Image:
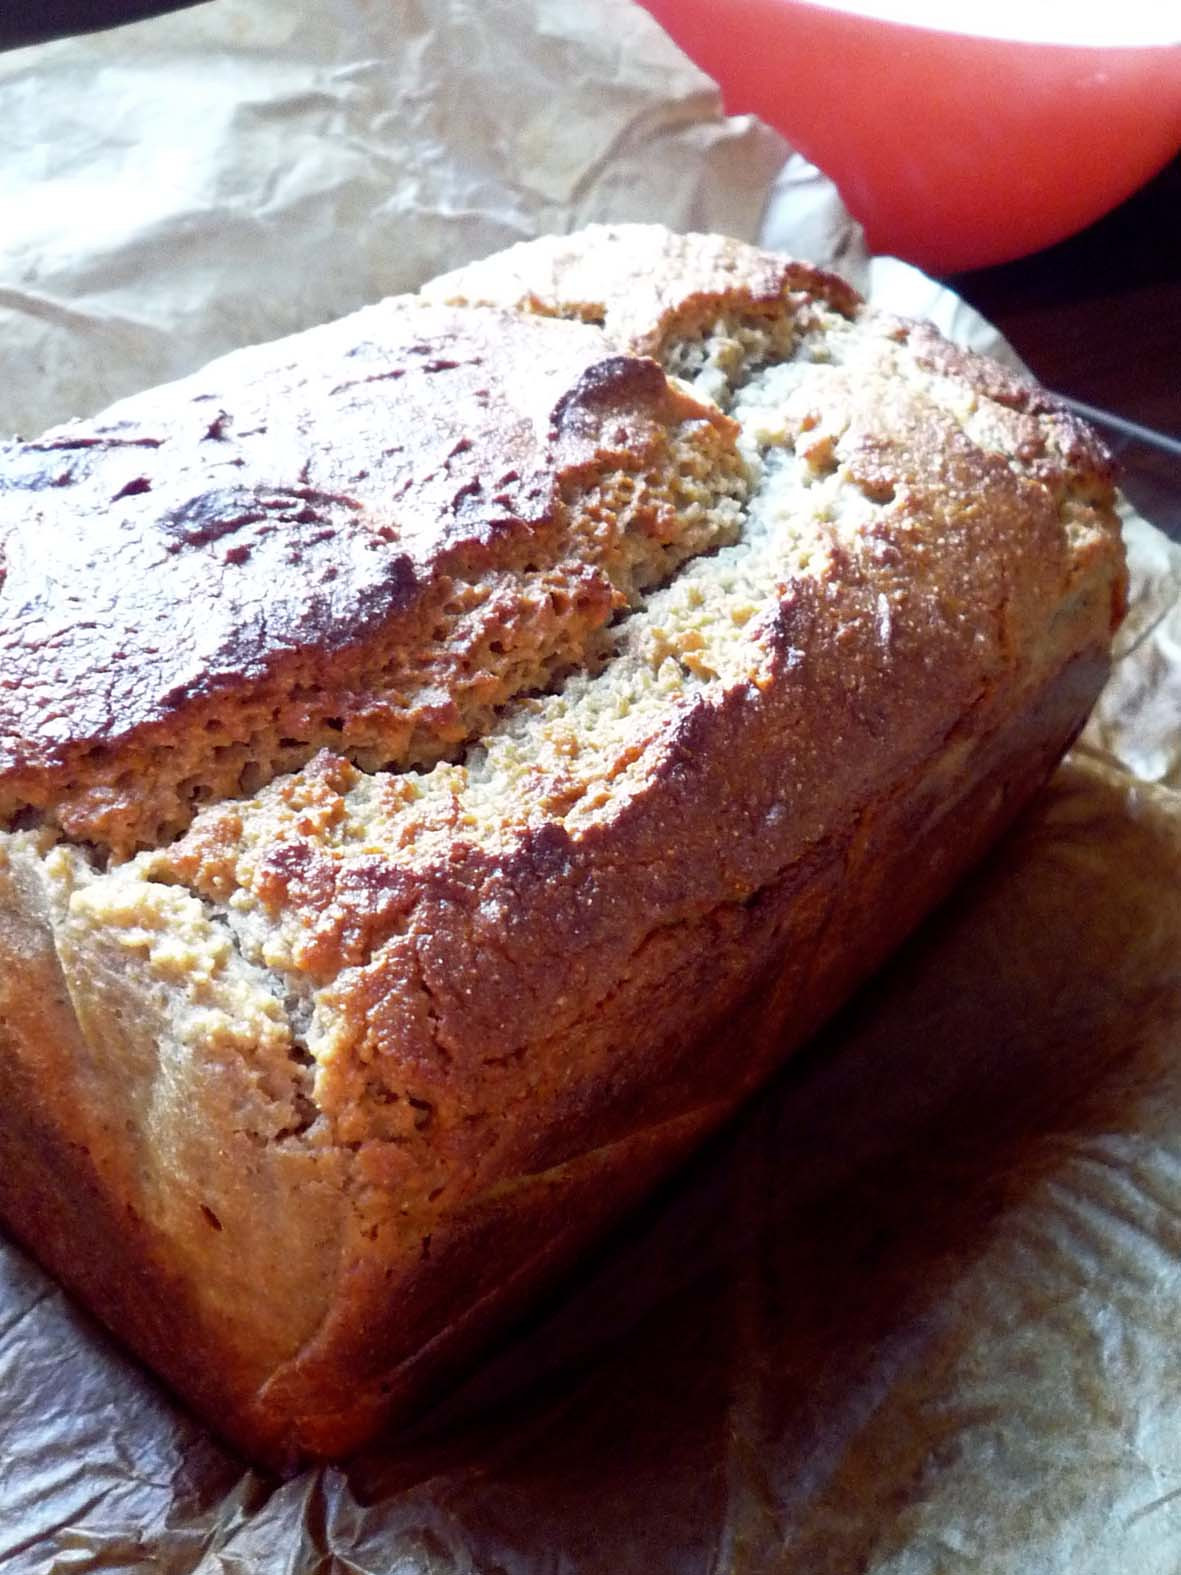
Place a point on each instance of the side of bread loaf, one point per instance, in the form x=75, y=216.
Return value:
x=677, y=631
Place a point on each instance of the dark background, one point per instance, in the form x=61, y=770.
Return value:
x=1098, y=318
x=32, y=21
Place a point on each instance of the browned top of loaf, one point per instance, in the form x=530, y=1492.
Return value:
x=226, y=555
x=639, y=282
x=371, y=536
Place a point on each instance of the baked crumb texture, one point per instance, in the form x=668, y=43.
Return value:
x=417, y=735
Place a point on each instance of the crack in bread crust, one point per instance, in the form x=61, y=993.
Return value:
x=492, y=496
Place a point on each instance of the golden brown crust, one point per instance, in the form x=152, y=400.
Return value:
x=640, y=283
x=308, y=544
x=442, y=1025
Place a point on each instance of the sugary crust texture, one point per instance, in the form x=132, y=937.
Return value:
x=442, y=1024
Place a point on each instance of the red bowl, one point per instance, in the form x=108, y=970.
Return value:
x=953, y=150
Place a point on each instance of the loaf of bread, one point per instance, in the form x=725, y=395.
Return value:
x=450, y=756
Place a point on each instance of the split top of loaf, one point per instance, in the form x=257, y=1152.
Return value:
x=372, y=536
x=367, y=539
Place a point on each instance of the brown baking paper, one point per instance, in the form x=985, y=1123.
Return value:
x=917, y=1311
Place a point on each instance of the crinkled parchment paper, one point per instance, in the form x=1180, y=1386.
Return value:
x=918, y=1311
